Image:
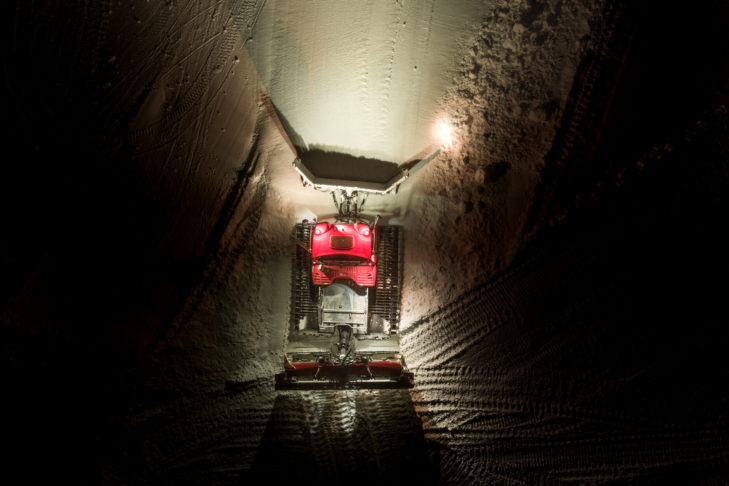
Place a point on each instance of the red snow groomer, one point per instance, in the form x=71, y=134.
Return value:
x=346, y=305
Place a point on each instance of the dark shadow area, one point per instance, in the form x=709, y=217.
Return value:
x=676, y=68
x=84, y=280
x=664, y=68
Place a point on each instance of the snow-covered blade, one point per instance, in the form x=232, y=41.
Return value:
x=328, y=184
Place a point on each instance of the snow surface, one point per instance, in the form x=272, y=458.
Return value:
x=362, y=78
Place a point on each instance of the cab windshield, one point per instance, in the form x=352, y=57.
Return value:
x=342, y=259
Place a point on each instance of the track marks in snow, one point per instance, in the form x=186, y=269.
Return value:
x=439, y=338
x=386, y=82
x=227, y=240
x=538, y=395
x=364, y=78
x=341, y=435
x=582, y=119
x=192, y=61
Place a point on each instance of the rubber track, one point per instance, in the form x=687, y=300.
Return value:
x=302, y=291
x=388, y=287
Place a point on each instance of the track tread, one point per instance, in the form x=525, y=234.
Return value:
x=304, y=301
x=388, y=286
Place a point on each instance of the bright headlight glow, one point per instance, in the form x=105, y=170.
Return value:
x=444, y=133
